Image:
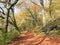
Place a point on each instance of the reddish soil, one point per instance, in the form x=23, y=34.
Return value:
x=30, y=39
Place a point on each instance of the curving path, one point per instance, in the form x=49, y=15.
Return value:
x=30, y=39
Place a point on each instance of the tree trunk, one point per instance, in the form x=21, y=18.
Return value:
x=44, y=18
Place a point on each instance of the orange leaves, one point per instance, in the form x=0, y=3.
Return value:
x=35, y=7
x=58, y=3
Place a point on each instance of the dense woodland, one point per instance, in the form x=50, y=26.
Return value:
x=18, y=17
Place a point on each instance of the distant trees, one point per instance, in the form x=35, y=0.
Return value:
x=33, y=14
x=39, y=14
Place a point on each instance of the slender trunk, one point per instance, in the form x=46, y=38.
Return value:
x=43, y=12
x=44, y=18
x=6, y=28
x=14, y=21
x=7, y=21
x=50, y=11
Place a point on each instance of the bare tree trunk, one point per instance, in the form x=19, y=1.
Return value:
x=43, y=13
x=44, y=18
x=7, y=20
x=14, y=20
x=50, y=11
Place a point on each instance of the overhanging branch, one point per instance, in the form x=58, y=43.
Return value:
x=13, y=4
x=8, y=11
x=2, y=11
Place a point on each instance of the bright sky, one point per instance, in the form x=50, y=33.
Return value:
x=28, y=3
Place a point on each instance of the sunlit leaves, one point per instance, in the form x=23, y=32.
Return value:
x=35, y=7
x=22, y=14
x=20, y=17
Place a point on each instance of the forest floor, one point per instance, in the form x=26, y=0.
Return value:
x=31, y=39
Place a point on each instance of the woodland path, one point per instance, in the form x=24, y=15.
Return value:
x=31, y=39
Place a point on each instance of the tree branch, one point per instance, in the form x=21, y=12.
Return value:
x=13, y=4
x=8, y=11
x=2, y=11
x=50, y=11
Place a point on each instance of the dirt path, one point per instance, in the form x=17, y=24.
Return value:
x=30, y=39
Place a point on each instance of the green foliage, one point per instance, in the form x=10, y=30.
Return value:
x=55, y=33
x=1, y=37
x=11, y=35
x=8, y=36
x=31, y=20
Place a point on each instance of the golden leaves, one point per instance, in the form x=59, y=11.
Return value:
x=22, y=14
x=35, y=7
